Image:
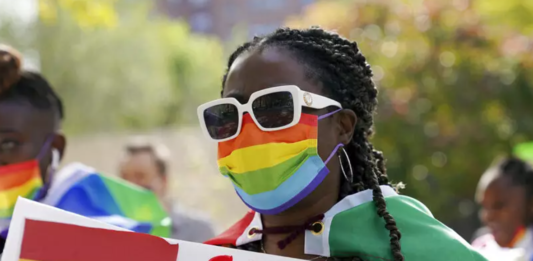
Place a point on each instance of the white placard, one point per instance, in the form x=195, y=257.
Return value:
x=28, y=209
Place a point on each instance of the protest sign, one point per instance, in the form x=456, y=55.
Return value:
x=39, y=232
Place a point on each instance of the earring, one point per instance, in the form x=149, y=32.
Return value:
x=349, y=179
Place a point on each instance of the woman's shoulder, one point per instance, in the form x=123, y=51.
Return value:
x=354, y=228
x=359, y=229
x=424, y=233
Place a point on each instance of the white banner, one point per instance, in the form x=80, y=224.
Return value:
x=32, y=214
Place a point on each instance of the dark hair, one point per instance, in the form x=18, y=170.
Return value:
x=16, y=83
x=518, y=171
x=157, y=150
x=339, y=65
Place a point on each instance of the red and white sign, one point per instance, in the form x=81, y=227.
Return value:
x=42, y=233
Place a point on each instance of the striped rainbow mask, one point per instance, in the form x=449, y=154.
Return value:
x=272, y=171
x=23, y=180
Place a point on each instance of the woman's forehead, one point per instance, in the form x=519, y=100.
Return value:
x=263, y=68
x=20, y=116
x=503, y=187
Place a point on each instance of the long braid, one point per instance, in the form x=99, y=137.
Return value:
x=347, y=78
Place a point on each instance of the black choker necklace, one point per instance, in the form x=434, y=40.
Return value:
x=312, y=224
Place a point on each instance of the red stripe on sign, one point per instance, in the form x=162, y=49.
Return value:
x=49, y=241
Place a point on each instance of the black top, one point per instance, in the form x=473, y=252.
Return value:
x=2, y=244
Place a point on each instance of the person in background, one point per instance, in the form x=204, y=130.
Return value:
x=146, y=164
x=31, y=148
x=505, y=193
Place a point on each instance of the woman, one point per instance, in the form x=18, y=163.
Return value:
x=505, y=193
x=31, y=147
x=298, y=154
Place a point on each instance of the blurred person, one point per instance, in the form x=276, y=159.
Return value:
x=31, y=148
x=505, y=193
x=480, y=232
x=302, y=103
x=146, y=164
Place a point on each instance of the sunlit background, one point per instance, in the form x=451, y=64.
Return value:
x=454, y=77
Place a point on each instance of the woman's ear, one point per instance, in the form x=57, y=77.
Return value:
x=347, y=119
x=59, y=143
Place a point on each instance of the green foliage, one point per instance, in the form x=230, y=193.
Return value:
x=86, y=13
x=138, y=73
x=455, y=87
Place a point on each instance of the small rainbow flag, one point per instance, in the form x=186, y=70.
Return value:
x=18, y=180
x=49, y=241
x=80, y=189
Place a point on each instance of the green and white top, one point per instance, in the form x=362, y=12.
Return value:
x=353, y=228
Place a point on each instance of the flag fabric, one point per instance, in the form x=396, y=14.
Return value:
x=49, y=241
x=353, y=228
x=82, y=190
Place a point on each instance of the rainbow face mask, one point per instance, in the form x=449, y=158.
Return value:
x=22, y=179
x=272, y=171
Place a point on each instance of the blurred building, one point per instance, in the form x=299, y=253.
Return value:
x=219, y=17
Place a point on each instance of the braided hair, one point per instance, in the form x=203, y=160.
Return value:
x=339, y=65
x=17, y=84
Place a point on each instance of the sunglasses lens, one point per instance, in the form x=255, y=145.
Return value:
x=274, y=110
x=222, y=121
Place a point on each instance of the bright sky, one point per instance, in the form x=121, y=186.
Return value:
x=24, y=11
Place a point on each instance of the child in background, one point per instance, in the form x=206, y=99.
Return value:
x=31, y=147
x=505, y=192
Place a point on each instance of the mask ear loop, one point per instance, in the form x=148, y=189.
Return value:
x=44, y=148
x=329, y=114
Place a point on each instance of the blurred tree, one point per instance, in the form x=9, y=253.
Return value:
x=86, y=13
x=455, y=88
x=118, y=67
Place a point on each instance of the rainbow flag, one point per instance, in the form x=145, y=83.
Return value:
x=49, y=241
x=80, y=189
x=17, y=180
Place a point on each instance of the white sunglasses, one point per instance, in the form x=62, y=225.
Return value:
x=271, y=109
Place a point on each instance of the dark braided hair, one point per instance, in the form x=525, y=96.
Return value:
x=339, y=65
x=17, y=84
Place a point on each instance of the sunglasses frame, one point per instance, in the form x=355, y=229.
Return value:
x=300, y=98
